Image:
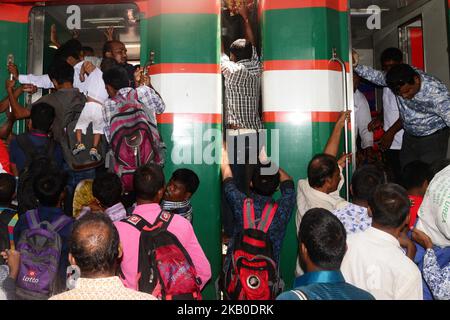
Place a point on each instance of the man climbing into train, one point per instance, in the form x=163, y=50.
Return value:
x=424, y=105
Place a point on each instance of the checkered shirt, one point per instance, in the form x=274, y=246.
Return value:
x=242, y=90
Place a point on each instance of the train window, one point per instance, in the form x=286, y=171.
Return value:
x=86, y=22
x=411, y=42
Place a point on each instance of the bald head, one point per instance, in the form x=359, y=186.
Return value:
x=323, y=172
x=94, y=244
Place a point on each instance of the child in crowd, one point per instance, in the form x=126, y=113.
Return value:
x=92, y=113
x=415, y=179
x=179, y=191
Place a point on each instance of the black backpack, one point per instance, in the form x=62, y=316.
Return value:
x=38, y=160
x=165, y=269
x=8, y=219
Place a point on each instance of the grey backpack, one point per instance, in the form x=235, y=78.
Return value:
x=40, y=252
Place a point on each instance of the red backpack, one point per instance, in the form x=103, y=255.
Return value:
x=253, y=274
x=165, y=269
x=135, y=140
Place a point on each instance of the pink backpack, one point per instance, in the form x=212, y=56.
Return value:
x=135, y=140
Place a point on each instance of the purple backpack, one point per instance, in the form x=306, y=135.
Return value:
x=135, y=140
x=40, y=252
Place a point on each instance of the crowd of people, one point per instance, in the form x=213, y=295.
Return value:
x=86, y=212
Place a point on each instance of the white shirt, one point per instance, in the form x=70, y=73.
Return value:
x=391, y=115
x=434, y=210
x=363, y=118
x=375, y=262
x=45, y=82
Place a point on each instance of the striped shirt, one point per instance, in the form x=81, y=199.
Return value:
x=242, y=91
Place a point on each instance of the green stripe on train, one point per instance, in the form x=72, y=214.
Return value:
x=206, y=201
x=13, y=40
x=181, y=38
x=304, y=34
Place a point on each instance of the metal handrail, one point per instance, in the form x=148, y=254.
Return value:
x=344, y=77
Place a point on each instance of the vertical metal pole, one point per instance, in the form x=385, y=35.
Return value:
x=344, y=78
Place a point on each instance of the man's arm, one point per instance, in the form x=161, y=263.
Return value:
x=19, y=111
x=333, y=142
x=151, y=99
x=363, y=119
x=372, y=75
x=249, y=35
x=39, y=81
x=4, y=104
x=388, y=137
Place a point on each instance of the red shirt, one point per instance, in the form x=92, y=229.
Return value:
x=4, y=157
x=416, y=201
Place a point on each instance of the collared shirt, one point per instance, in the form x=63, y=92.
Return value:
x=110, y=288
x=45, y=82
x=147, y=96
x=324, y=285
x=354, y=218
x=180, y=227
x=375, y=262
x=277, y=229
x=242, y=90
x=437, y=279
x=427, y=112
x=363, y=118
x=390, y=116
x=116, y=213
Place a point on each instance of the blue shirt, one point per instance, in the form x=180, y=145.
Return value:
x=277, y=229
x=18, y=155
x=427, y=112
x=354, y=218
x=324, y=285
x=49, y=214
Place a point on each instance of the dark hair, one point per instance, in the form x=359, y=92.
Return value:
x=148, y=180
x=107, y=47
x=399, y=76
x=437, y=166
x=392, y=54
x=48, y=187
x=71, y=48
x=86, y=48
x=324, y=237
x=116, y=77
x=7, y=188
x=265, y=185
x=365, y=180
x=107, y=188
x=242, y=49
x=320, y=168
x=415, y=173
x=187, y=178
x=42, y=116
x=108, y=63
x=390, y=205
x=61, y=72
x=94, y=244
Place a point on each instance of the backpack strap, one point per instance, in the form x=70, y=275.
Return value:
x=137, y=221
x=11, y=224
x=164, y=219
x=60, y=223
x=27, y=147
x=33, y=219
x=249, y=214
x=267, y=216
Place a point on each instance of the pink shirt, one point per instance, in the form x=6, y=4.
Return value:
x=179, y=226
